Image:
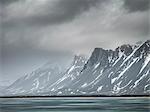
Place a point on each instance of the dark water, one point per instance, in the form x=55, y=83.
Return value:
x=75, y=105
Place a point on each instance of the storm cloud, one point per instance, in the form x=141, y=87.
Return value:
x=6, y=2
x=36, y=31
x=137, y=5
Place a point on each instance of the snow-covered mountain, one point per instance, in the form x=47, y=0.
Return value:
x=72, y=73
x=123, y=71
x=43, y=79
x=38, y=79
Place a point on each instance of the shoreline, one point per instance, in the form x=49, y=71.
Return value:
x=82, y=96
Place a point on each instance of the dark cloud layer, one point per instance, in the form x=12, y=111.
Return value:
x=63, y=11
x=137, y=5
x=75, y=5
x=7, y=2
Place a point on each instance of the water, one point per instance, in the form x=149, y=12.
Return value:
x=75, y=105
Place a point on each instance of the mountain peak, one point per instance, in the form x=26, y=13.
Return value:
x=79, y=59
x=97, y=50
x=126, y=49
x=98, y=55
x=147, y=43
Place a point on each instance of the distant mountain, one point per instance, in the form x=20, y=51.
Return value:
x=43, y=79
x=38, y=79
x=123, y=71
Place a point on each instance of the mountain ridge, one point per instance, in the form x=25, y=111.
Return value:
x=123, y=71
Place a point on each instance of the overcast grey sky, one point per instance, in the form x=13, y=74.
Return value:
x=35, y=31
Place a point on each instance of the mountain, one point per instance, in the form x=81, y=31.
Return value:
x=43, y=79
x=72, y=73
x=33, y=82
x=123, y=71
x=126, y=70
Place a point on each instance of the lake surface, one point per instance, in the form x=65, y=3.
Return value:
x=75, y=105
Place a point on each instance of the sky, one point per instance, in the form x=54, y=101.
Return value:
x=34, y=32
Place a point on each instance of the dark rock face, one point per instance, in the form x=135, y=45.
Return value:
x=98, y=55
x=124, y=71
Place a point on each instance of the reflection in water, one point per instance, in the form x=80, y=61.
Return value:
x=75, y=105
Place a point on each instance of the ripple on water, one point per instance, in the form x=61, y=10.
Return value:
x=75, y=105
